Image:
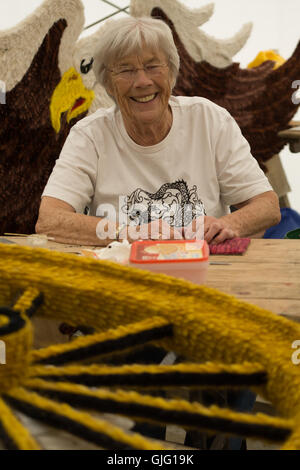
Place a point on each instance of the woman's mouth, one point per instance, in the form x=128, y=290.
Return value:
x=145, y=99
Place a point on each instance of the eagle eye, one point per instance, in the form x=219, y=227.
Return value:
x=85, y=68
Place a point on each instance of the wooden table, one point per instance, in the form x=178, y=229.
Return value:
x=267, y=275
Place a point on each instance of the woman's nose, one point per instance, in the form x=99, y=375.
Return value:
x=141, y=78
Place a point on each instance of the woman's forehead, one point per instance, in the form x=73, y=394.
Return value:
x=140, y=57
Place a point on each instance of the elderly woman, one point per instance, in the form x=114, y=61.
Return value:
x=152, y=158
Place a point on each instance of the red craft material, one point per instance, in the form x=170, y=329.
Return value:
x=236, y=246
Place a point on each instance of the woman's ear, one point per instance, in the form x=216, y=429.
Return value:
x=172, y=82
x=109, y=88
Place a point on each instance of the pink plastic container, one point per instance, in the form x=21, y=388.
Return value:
x=186, y=259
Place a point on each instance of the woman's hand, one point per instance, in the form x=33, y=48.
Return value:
x=209, y=228
x=217, y=230
x=155, y=230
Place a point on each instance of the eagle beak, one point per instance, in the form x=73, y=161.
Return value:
x=69, y=96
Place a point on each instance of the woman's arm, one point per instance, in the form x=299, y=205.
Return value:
x=251, y=219
x=59, y=220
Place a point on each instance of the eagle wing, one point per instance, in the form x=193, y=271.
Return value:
x=201, y=46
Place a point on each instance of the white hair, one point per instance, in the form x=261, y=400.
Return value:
x=130, y=35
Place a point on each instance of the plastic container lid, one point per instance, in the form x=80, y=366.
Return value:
x=169, y=251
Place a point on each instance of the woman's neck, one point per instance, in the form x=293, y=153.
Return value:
x=152, y=133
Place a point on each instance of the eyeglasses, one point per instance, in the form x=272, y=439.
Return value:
x=129, y=73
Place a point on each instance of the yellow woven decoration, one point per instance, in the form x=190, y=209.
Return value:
x=70, y=96
x=231, y=344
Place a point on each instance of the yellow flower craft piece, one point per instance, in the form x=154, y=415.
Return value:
x=227, y=344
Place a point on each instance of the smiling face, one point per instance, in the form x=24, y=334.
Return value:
x=142, y=98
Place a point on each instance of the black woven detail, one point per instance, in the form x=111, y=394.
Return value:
x=8, y=442
x=109, y=346
x=67, y=424
x=16, y=322
x=170, y=379
x=160, y=415
x=35, y=305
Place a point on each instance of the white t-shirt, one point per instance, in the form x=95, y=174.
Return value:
x=203, y=163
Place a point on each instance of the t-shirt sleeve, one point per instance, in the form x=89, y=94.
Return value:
x=239, y=175
x=73, y=178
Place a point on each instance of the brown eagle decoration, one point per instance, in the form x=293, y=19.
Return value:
x=45, y=96
x=50, y=85
x=259, y=99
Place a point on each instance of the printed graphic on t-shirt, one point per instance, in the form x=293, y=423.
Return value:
x=173, y=202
